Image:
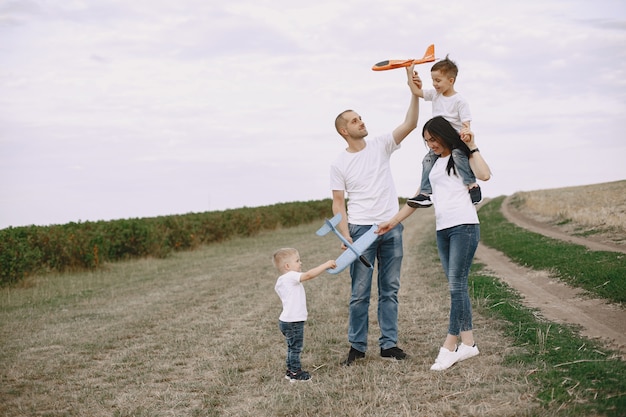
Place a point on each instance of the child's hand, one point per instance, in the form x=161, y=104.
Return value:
x=466, y=134
x=417, y=80
x=331, y=265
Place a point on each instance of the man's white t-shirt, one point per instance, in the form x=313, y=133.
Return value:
x=454, y=109
x=292, y=295
x=452, y=202
x=366, y=178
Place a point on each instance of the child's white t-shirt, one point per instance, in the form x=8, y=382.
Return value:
x=366, y=177
x=454, y=109
x=292, y=295
x=453, y=204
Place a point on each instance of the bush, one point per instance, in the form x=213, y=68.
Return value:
x=79, y=246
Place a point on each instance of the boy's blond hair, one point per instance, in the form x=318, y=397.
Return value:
x=281, y=255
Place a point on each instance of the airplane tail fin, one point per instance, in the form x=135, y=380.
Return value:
x=329, y=225
x=429, y=55
x=430, y=52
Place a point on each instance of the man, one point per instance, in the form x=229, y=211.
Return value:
x=363, y=172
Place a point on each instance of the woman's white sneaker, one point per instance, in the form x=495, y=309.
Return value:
x=466, y=352
x=445, y=359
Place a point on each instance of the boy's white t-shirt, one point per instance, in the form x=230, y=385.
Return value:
x=292, y=295
x=453, y=204
x=366, y=177
x=454, y=109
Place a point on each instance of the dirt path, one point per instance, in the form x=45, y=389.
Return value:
x=592, y=242
x=556, y=301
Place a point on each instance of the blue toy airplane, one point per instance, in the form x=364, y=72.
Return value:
x=354, y=250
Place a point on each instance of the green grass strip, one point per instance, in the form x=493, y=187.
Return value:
x=575, y=375
x=599, y=272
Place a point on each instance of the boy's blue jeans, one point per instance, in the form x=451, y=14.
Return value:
x=461, y=163
x=387, y=250
x=294, y=336
x=457, y=246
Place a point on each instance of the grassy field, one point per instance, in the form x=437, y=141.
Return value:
x=598, y=272
x=587, y=210
x=196, y=335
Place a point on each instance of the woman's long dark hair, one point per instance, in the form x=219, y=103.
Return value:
x=442, y=130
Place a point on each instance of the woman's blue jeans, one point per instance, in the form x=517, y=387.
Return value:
x=294, y=336
x=457, y=246
x=387, y=250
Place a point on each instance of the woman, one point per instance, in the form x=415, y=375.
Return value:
x=458, y=231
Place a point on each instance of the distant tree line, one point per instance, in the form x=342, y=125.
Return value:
x=88, y=245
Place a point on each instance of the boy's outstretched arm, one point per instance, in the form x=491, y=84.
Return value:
x=314, y=272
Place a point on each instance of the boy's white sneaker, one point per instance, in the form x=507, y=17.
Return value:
x=445, y=359
x=466, y=352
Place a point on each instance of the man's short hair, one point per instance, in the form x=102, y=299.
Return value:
x=341, y=121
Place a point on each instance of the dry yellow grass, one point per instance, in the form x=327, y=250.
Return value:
x=196, y=334
x=598, y=209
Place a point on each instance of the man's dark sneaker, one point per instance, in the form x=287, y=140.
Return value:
x=420, y=200
x=353, y=355
x=476, y=195
x=393, y=353
x=298, y=376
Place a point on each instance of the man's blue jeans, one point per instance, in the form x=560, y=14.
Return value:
x=387, y=251
x=457, y=246
x=294, y=336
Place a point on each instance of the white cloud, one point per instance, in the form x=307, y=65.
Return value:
x=114, y=109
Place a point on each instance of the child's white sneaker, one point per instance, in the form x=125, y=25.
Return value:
x=466, y=352
x=445, y=359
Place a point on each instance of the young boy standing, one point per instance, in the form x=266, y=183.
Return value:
x=455, y=109
x=291, y=292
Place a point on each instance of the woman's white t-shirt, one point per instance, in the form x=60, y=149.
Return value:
x=451, y=199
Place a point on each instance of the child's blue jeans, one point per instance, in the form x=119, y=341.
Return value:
x=461, y=163
x=294, y=336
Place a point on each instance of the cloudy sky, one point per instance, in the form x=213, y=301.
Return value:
x=120, y=109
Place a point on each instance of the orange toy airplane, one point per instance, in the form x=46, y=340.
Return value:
x=429, y=56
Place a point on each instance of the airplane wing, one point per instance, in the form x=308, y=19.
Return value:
x=329, y=225
x=429, y=56
x=392, y=64
x=344, y=261
x=366, y=239
x=349, y=255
